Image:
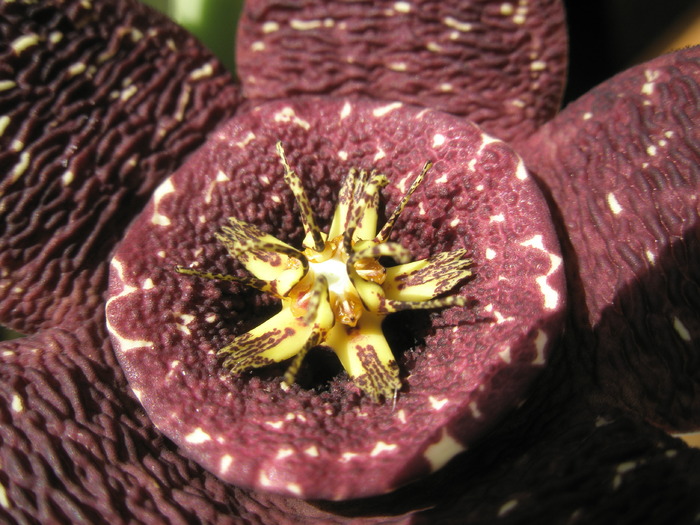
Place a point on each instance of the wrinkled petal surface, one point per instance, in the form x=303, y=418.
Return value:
x=501, y=64
x=99, y=101
x=623, y=168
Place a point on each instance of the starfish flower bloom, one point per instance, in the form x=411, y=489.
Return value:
x=101, y=101
x=336, y=292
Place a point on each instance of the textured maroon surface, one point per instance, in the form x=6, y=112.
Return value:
x=461, y=368
x=94, y=116
x=75, y=446
x=501, y=64
x=624, y=174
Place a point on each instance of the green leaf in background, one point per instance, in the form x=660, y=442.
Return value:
x=212, y=21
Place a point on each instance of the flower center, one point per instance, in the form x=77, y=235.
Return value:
x=334, y=291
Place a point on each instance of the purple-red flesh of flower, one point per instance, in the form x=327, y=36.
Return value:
x=325, y=436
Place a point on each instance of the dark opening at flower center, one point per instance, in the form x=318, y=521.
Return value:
x=334, y=290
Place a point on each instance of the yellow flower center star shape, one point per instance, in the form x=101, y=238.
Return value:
x=334, y=291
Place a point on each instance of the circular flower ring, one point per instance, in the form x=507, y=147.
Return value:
x=175, y=336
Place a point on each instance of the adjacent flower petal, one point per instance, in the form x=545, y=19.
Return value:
x=623, y=168
x=501, y=64
x=99, y=101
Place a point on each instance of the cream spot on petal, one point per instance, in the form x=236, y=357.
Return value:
x=474, y=408
x=343, y=155
x=205, y=71
x=385, y=110
x=311, y=451
x=507, y=507
x=587, y=115
x=67, y=178
x=381, y=447
x=24, y=42
x=401, y=416
x=651, y=257
x=288, y=115
x=346, y=111
x=402, y=7
x=681, y=330
x=17, y=404
x=284, y=453
x=459, y=25
x=538, y=65
x=246, y=140
x=225, y=463
x=307, y=25
x=4, y=122
x=438, y=454
x=264, y=480
x=398, y=66
x=551, y=296
x=490, y=254
x=4, y=500
x=507, y=9
x=505, y=355
x=21, y=166
x=164, y=189
x=275, y=424
x=497, y=218
x=295, y=489
x=379, y=155
x=197, y=437
x=438, y=140
x=270, y=27
x=540, y=345
x=347, y=456
x=614, y=204
x=438, y=404
x=521, y=171
x=257, y=46
x=651, y=150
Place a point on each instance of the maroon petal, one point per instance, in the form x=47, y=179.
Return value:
x=76, y=447
x=99, y=101
x=462, y=368
x=501, y=64
x=623, y=168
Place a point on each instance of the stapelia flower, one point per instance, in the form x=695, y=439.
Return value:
x=99, y=101
x=336, y=292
